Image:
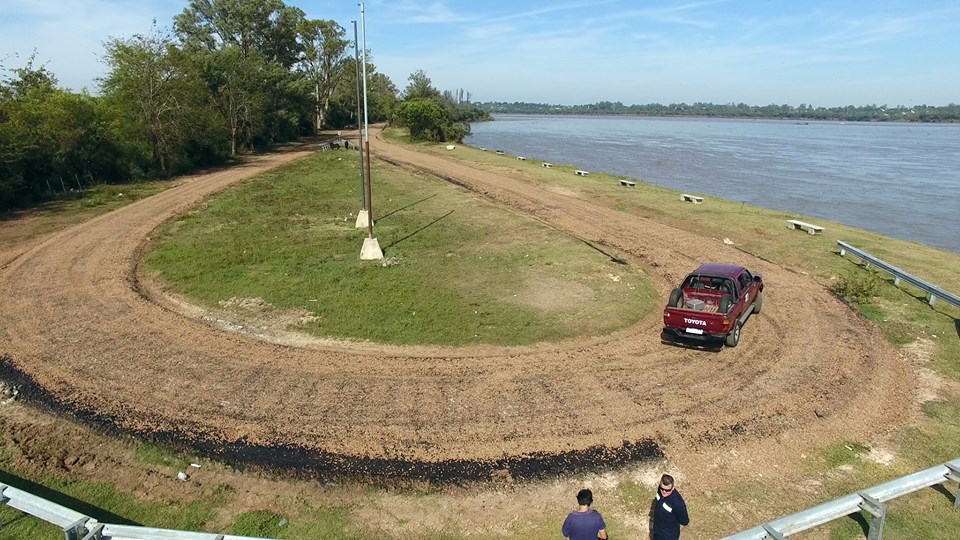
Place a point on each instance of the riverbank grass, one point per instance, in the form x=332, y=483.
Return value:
x=457, y=270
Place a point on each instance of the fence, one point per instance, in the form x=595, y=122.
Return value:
x=77, y=526
x=898, y=274
x=872, y=501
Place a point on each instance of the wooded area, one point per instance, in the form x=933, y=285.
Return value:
x=849, y=113
x=229, y=76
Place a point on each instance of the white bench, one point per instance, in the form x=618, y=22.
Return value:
x=499, y=152
x=581, y=173
x=804, y=226
x=691, y=198
x=627, y=183
x=546, y=165
x=521, y=158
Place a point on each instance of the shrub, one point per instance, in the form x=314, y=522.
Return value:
x=858, y=286
x=455, y=132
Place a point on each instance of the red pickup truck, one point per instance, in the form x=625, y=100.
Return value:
x=713, y=302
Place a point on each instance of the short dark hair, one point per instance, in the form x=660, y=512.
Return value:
x=585, y=497
x=666, y=480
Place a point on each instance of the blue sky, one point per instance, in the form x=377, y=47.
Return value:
x=825, y=53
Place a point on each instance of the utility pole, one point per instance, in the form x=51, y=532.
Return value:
x=371, y=247
x=362, y=216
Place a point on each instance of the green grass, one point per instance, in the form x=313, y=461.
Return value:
x=260, y=523
x=16, y=526
x=72, y=208
x=459, y=269
x=152, y=454
x=103, y=502
x=104, y=196
x=305, y=520
x=843, y=453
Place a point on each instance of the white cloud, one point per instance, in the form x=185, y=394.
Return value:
x=417, y=13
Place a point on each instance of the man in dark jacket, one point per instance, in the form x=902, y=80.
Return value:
x=669, y=511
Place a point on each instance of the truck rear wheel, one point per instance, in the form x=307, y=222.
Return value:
x=734, y=336
x=725, y=302
x=676, y=298
x=758, y=303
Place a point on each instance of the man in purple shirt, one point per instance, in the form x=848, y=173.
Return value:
x=584, y=523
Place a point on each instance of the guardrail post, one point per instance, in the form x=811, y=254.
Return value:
x=75, y=530
x=94, y=533
x=879, y=512
x=3, y=498
x=954, y=474
x=773, y=533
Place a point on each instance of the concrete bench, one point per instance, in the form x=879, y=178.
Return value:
x=521, y=158
x=804, y=226
x=499, y=152
x=627, y=183
x=691, y=198
x=581, y=173
x=546, y=165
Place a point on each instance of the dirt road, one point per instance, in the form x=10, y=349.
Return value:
x=82, y=331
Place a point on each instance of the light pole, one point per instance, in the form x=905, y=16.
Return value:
x=362, y=217
x=371, y=247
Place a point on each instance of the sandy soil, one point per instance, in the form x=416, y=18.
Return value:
x=84, y=332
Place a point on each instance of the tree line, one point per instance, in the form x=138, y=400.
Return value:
x=229, y=76
x=849, y=113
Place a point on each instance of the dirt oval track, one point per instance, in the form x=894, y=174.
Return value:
x=82, y=332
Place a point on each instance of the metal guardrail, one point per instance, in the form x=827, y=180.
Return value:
x=872, y=501
x=77, y=526
x=934, y=291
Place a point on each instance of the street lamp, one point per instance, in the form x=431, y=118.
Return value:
x=371, y=247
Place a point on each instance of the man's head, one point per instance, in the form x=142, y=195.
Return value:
x=666, y=485
x=584, y=497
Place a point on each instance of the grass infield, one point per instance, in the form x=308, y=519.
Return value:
x=458, y=269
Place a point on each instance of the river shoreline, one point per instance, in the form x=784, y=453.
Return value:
x=886, y=177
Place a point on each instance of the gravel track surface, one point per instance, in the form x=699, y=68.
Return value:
x=103, y=342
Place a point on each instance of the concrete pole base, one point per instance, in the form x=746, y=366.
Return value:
x=362, y=219
x=371, y=250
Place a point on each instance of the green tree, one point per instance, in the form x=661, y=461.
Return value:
x=246, y=49
x=423, y=117
x=268, y=27
x=52, y=140
x=420, y=87
x=381, y=96
x=323, y=61
x=159, y=93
